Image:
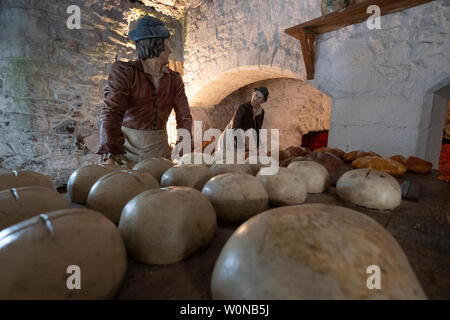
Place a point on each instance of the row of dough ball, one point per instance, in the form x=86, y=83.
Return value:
x=107, y=190
x=149, y=216
x=135, y=222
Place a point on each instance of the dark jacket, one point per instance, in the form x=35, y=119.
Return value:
x=130, y=99
x=243, y=119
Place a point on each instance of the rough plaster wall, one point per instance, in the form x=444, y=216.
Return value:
x=52, y=79
x=381, y=80
x=294, y=107
x=228, y=34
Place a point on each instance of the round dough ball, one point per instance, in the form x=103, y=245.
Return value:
x=284, y=187
x=82, y=179
x=36, y=253
x=314, y=174
x=336, y=151
x=155, y=166
x=17, y=179
x=197, y=158
x=167, y=225
x=18, y=204
x=186, y=175
x=312, y=251
x=298, y=151
x=370, y=188
x=259, y=162
x=217, y=169
x=112, y=192
x=236, y=196
x=330, y=161
x=288, y=161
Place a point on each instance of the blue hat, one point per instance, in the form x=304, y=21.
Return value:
x=148, y=27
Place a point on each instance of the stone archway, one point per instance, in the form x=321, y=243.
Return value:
x=209, y=93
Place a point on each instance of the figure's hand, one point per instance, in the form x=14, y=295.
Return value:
x=113, y=159
x=110, y=161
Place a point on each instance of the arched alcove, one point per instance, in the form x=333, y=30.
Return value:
x=211, y=92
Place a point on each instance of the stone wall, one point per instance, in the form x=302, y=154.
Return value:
x=52, y=78
x=294, y=107
x=245, y=36
x=382, y=81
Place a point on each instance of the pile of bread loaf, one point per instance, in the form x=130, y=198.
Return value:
x=161, y=213
x=334, y=158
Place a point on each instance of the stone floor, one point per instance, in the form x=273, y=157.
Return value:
x=422, y=228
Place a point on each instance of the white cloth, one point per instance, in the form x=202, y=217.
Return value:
x=142, y=144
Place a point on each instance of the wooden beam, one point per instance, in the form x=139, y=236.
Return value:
x=352, y=15
x=307, y=32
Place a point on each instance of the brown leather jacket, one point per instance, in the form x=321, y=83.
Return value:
x=130, y=99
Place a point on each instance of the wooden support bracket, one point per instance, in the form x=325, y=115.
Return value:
x=308, y=44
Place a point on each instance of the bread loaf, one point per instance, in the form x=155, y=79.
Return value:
x=112, y=192
x=167, y=225
x=36, y=256
x=417, y=165
x=16, y=179
x=381, y=164
x=18, y=204
x=236, y=197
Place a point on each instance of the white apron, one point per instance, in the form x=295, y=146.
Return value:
x=141, y=144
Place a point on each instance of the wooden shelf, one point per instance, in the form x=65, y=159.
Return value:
x=307, y=32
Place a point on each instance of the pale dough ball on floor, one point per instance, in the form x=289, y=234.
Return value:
x=186, y=175
x=16, y=179
x=82, y=179
x=369, y=188
x=112, y=192
x=314, y=174
x=217, y=169
x=36, y=253
x=155, y=166
x=167, y=225
x=284, y=187
x=259, y=162
x=312, y=251
x=236, y=197
x=18, y=204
